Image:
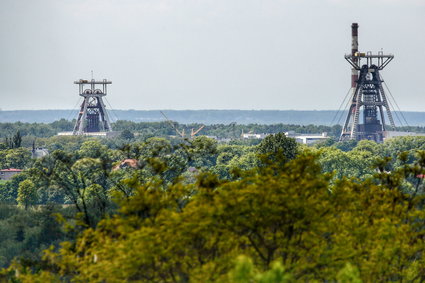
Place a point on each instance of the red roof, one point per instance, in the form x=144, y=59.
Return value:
x=11, y=170
x=129, y=163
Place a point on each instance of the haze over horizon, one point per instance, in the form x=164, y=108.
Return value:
x=205, y=54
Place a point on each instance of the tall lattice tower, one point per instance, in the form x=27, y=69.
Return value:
x=92, y=116
x=368, y=98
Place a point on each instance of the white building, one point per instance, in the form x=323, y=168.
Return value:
x=307, y=138
x=251, y=136
x=310, y=139
x=394, y=134
x=92, y=134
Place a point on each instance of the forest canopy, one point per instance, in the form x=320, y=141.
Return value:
x=159, y=209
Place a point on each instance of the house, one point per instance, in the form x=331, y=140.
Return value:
x=7, y=174
x=127, y=163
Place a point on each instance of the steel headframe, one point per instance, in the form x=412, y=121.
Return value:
x=93, y=116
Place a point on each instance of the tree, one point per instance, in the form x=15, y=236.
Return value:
x=244, y=271
x=9, y=189
x=63, y=125
x=288, y=213
x=17, y=158
x=14, y=141
x=17, y=140
x=278, y=144
x=127, y=135
x=27, y=194
x=346, y=145
x=74, y=179
x=154, y=147
x=93, y=149
x=203, y=152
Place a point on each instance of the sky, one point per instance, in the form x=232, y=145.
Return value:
x=205, y=54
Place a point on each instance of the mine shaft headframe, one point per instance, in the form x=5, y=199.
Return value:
x=381, y=60
x=93, y=116
x=84, y=91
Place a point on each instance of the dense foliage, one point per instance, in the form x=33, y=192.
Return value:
x=143, y=130
x=154, y=209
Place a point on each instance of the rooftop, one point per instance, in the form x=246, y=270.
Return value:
x=11, y=170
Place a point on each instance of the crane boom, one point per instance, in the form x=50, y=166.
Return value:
x=172, y=125
x=197, y=131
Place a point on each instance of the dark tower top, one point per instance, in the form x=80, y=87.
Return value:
x=354, y=28
x=354, y=50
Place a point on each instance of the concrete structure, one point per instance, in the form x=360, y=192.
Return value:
x=368, y=97
x=7, y=174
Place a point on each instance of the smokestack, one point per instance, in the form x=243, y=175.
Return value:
x=354, y=50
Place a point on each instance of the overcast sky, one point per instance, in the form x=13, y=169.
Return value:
x=205, y=54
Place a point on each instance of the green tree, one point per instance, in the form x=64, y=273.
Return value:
x=27, y=194
x=346, y=145
x=127, y=135
x=287, y=217
x=155, y=147
x=93, y=149
x=9, y=189
x=14, y=141
x=17, y=158
x=278, y=144
x=74, y=179
x=63, y=125
x=203, y=152
x=17, y=140
x=349, y=274
x=244, y=271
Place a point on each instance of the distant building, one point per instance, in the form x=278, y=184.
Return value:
x=251, y=136
x=394, y=134
x=93, y=134
x=39, y=152
x=7, y=174
x=219, y=139
x=212, y=137
x=300, y=138
x=311, y=138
